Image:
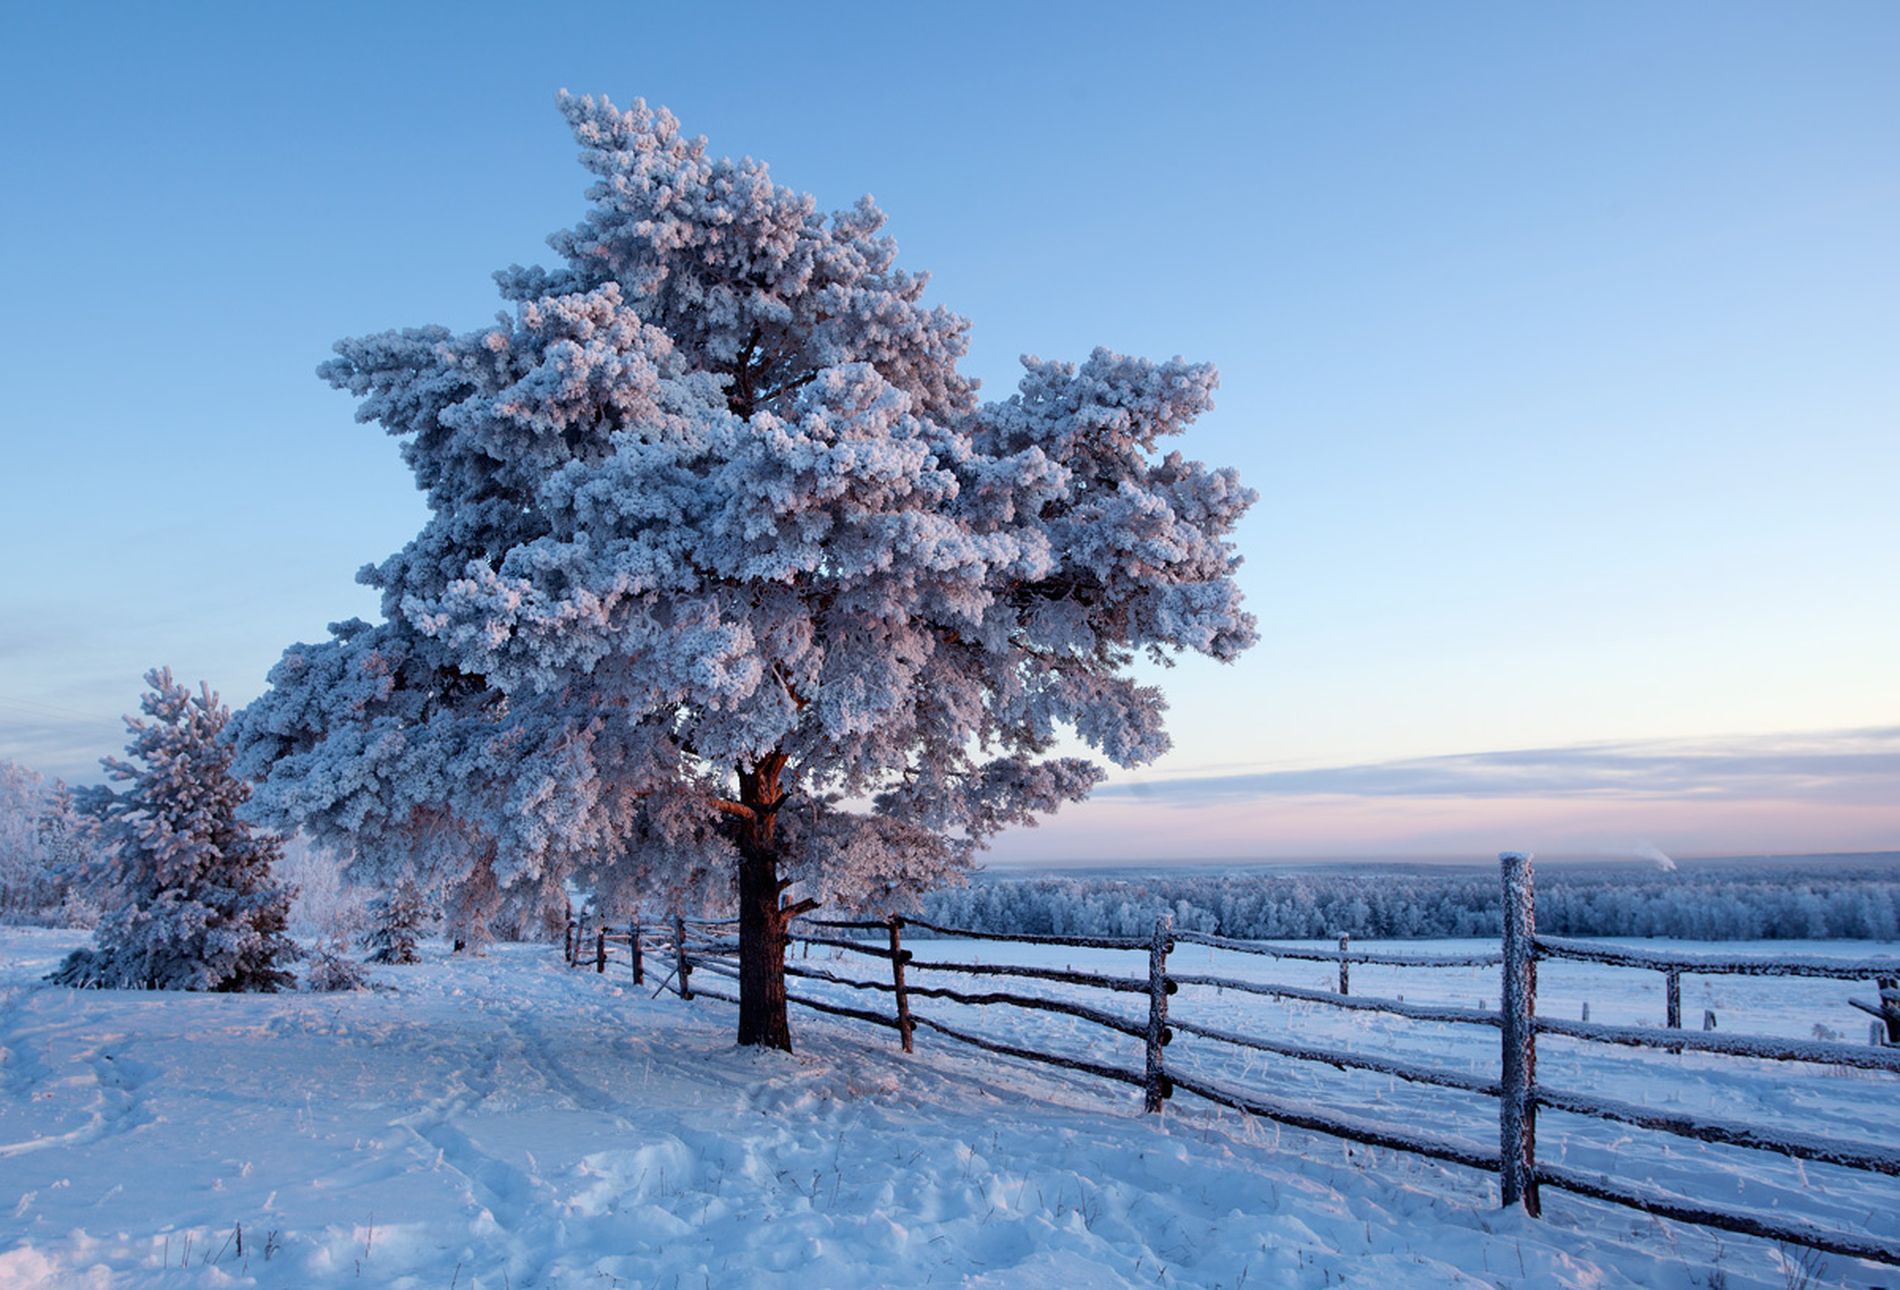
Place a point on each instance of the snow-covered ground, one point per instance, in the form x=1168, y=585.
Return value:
x=504, y=1122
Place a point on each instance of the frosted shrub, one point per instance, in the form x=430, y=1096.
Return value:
x=332, y=969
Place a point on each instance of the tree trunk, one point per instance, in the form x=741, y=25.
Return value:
x=762, y=1019
x=762, y=919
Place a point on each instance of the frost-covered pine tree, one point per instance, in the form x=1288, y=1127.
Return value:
x=731, y=585
x=396, y=921
x=186, y=885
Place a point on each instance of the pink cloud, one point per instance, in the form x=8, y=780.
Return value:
x=1836, y=791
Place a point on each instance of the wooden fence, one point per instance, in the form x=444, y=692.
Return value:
x=690, y=946
x=607, y=946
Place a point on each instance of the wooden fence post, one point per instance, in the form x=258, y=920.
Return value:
x=1345, y=970
x=905, y=1027
x=573, y=932
x=1517, y=1111
x=633, y=947
x=679, y=950
x=1672, y=999
x=1885, y=1009
x=600, y=949
x=1155, y=1085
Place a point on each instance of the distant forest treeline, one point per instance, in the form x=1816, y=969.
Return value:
x=1820, y=899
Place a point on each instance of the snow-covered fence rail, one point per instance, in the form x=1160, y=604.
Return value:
x=1552, y=947
x=1724, y=1218
x=1301, y=1116
x=1805, y=1146
x=1341, y=955
x=1023, y=938
x=1343, y=1060
x=1345, y=955
x=1354, y=1002
x=708, y=946
x=1820, y=1052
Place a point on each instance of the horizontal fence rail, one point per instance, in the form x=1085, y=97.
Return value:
x=708, y=945
x=1818, y=1051
x=1301, y=1117
x=1745, y=1222
x=1340, y=955
x=1805, y=1146
x=1031, y=1054
x=1551, y=947
x=1061, y=976
x=1026, y=938
x=1342, y=1060
x=1356, y=1003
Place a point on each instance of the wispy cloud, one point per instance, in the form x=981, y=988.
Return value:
x=1860, y=765
x=56, y=744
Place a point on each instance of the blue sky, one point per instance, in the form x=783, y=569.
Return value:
x=1559, y=342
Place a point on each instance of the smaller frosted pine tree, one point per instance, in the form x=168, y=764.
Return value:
x=397, y=917
x=186, y=885
x=332, y=970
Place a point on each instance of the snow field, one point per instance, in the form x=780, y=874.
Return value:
x=505, y=1122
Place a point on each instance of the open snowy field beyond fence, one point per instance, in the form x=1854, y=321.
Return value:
x=508, y=1122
